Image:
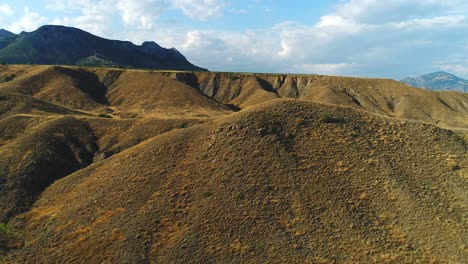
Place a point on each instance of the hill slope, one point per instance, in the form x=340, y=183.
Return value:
x=275, y=183
x=106, y=165
x=4, y=33
x=72, y=46
x=439, y=81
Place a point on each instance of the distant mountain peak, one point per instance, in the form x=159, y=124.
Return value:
x=439, y=80
x=54, y=44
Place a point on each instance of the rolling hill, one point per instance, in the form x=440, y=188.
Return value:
x=140, y=166
x=439, y=81
x=54, y=45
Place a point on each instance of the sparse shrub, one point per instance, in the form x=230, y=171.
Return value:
x=104, y=116
x=3, y=228
x=454, y=166
x=232, y=76
x=9, y=239
x=9, y=78
x=206, y=194
x=326, y=118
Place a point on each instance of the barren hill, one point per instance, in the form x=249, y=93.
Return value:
x=277, y=182
x=110, y=165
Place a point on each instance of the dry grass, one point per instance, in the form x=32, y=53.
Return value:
x=176, y=175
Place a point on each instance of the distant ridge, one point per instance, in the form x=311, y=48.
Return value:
x=438, y=81
x=5, y=33
x=72, y=46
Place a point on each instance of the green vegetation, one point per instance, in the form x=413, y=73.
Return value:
x=9, y=239
x=231, y=76
x=3, y=228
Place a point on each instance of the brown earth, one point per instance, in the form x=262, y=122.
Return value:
x=129, y=166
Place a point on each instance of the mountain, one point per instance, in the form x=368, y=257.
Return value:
x=4, y=33
x=438, y=81
x=104, y=165
x=71, y=46
x=6, y=38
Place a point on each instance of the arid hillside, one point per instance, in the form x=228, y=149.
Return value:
x=130, y=166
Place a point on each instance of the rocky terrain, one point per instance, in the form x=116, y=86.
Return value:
x=439, y=81
x=140, y=166
x=54, y=45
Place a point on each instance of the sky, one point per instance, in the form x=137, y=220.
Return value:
x=365, y=38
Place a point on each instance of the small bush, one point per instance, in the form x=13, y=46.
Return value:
x=9, y=78
x=206, y=194
x=232, y=76
x=3, y=228
x=326, y=118
x=104, y=116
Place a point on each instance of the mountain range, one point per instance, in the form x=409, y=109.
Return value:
x=438, y=81
x=51, y=45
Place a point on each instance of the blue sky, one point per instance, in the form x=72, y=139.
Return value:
x=369, y=38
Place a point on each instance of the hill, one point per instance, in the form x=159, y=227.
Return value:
x=439, y=81
x=5, y=34
x=333, y=191
x=113, y=165
x=71, y=46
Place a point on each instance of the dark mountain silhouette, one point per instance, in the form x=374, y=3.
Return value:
x=72, y=46
x=5, y=33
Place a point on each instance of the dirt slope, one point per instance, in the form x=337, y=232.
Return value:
x=287, y=181
x=143, y=93
x=378, y=96
x=75, y=88
x=37, y=150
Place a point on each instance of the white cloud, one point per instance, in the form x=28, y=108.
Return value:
x=66, y=5
x=458, y=68
x=95, y=18
x=7, y=10
x=28, y=22
x=375, y=11
x=394, y=38
x=200, y=9
x=368, y=40
x=141, y=13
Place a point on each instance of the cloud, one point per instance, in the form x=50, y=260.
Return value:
x=200, y=9
x=141, y=13
x=28, y=22
x=394, y=38
x=95, y=18
x=374, y=11
x=458, y=68
x=375, y=38
x=7, y=10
